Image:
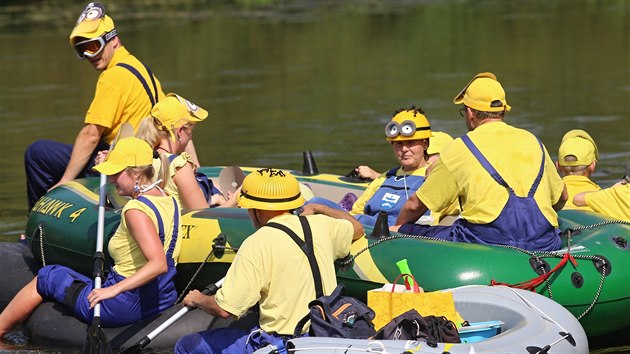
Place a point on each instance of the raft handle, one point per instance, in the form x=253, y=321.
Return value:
x=602, y=264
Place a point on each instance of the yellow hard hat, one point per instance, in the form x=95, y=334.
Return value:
x=408, y=124
x=269, y=189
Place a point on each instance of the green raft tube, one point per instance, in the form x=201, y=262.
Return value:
x=587, y=276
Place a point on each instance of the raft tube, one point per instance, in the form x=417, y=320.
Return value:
x=591, y=283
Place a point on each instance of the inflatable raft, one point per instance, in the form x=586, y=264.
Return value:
x=587, y=276
x=502, y=320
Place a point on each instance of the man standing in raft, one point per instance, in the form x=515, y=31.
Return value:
x=503, y=177
x=125, y=92
x=270, y=268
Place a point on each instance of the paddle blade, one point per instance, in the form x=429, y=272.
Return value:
x=230, y=179
x=96, y=341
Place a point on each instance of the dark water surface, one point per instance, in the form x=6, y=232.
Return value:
x=327, y=79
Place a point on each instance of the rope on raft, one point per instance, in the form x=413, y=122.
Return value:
x=531, y=284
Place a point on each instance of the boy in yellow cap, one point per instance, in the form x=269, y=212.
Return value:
x=507, y=184
x=125, y=92
x=577, y=157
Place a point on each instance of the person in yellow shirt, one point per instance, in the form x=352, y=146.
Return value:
x=144, y=249
x=125, y=92
x=613, y=201
x=577, y=157
x=506, y=183
x=270, y=268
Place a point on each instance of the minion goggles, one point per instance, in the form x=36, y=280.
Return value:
x=405, y=128
x=91, y=48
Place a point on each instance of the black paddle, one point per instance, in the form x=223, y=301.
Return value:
x=142, y=343
x=96, y=340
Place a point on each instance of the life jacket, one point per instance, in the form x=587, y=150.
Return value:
x=390, y=197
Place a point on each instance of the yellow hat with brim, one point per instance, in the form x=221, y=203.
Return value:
x=174, y=108
x=128, y=152
x=91, y=28
x=437, y=142
x=483, y=93
x=269, y=189
x=579, y=144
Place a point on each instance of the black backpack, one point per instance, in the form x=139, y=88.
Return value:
x=412, y=326
x=338, y=316
x=334, y=315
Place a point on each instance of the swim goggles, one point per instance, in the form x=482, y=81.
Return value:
x=405, y=128
x=91, y=48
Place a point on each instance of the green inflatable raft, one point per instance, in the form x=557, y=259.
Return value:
x=587, y=276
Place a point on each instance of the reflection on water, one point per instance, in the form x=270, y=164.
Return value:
x=276, y=85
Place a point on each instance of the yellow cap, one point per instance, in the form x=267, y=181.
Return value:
x=92, y=23
x=483, y=93
x=269, y=189
x=174, y=109
x=128, y=152
x=437, y=142
x=400, y=129
x=579, y=144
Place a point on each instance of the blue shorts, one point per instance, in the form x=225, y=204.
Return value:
x=228, y=341
x=72, y=288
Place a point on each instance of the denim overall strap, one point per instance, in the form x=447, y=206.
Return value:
x=171, y=246
x=485, y=163
x=536, y=183
x=135, y=72
x=307, y=247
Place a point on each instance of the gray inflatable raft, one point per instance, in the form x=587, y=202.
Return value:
x=527, y=323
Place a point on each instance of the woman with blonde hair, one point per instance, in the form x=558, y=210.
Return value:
x=169, y=130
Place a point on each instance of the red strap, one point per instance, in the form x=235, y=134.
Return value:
x=532, y=284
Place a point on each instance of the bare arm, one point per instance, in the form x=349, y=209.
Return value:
x=562, y=201
x=189, y=191
x=190, y=149
x=367, y=172
x=411, y=211
x=311, y=209
x=207, y=303
x=143, y=231
x=84, y=144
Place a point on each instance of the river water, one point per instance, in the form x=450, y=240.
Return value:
x=327, y=77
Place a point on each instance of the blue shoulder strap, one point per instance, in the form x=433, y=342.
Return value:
x=153, y=96
x=172, y=158
x=158, y=217
x=495, y=175
x=392, y=172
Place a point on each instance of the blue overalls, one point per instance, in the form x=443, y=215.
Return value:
x=72, y=288
x=520, y=223
x=45, y=161
x=390, y=197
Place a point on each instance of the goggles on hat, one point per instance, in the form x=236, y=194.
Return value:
x=405, y=128
x=91, y=48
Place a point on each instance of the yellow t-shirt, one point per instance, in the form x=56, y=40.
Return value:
x=124, y=249
x=575, y=185
x=120, y=97
x=514, y=153
x=270, y=268
x=169, y=186
x=613, y=201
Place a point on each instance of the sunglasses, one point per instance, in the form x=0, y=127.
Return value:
x=92, y=48
x=405, y=128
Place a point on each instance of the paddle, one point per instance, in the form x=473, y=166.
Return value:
x=96, y=340
x=230, y=179
x=142, y=343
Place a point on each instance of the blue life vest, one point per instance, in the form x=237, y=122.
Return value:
x=390, y=197
x=520, y=223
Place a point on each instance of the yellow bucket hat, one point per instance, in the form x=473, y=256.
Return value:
x=174, y=109
x=269, y=189
x=92, y=23
x=128, y=152
x=437, y=142
x=483, y=93
x=577, y=143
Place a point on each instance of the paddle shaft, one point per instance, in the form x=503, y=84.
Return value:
x=100, y=230
x=211, y=289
